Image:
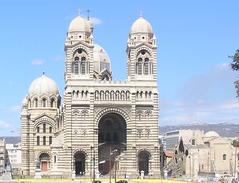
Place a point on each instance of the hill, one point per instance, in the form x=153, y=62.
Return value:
x=223, y=129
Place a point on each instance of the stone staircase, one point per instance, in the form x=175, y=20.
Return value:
x=175, y=167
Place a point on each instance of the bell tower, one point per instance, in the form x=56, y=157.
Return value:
x=141, y=51
x=79, y=50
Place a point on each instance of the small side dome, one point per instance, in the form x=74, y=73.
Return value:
x=80, y=24
x=210, y=134
x=101, y=59
x=141, y=26
x=43, y=86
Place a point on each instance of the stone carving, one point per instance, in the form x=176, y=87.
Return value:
x=139, y=114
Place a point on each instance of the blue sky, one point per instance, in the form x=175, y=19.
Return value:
x=194, y=41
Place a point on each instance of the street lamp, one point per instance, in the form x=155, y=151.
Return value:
x=93, y=159
x=93, y=165
x=115, y=170
x=111, y=153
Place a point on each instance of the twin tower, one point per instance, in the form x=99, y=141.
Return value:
x=101, y=125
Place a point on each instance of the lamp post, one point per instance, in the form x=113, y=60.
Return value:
x=111, y=153
x=115, y=170
x=93, y=165
x=104, y=161
x=110, y=165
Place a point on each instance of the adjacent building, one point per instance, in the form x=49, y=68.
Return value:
x=14, y=156
x=3, y=155
x=203, y=154
x=172, y=138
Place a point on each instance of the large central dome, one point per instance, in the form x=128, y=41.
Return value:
x=101, y=59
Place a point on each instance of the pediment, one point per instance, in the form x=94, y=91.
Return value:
x=45, y=118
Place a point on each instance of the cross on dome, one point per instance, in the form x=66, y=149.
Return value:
x=78, y=12
x=88, y=14
x=140, y=13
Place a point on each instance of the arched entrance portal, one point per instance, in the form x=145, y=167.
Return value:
x=111, y=140
x=44, y=159
x=143, y=162
x=79, y=163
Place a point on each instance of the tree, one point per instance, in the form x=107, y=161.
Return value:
x=235, y=67
x=235, y=143
x=181, y=146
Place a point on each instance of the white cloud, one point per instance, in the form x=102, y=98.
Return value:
x=11, y=109
x=37, y=61
x=223, y=66
x=206, y=98
x=200, y=112
x=96, y=21
x=230, y=105
x=217, y=82
x=4, y=125
x=57, y=58
x=15, y=108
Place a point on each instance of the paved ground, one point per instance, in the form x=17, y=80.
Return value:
x=84, y=181
x=6, y=177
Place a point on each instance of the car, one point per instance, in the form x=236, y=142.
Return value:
x=96, y=181
x=122, y=181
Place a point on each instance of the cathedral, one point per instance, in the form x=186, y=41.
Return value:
x=99, y=125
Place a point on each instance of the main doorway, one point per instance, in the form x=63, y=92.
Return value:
x=111, y=140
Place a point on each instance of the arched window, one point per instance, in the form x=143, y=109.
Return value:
x=44, y=102
x=193, y=142
x=75, y=66
x=54, y=158
x=224, y=157
x=53, y=102
x=146, y=66
x=44, y=140
x=29, y=103
x=38, y=129
x=139, y=66
x=50, y=129
x=83, y=66
x=50, y=140
x=44, y=128
x=38, y=140
x=35, y=102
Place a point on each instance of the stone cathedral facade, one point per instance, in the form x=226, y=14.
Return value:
x=102, y=124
